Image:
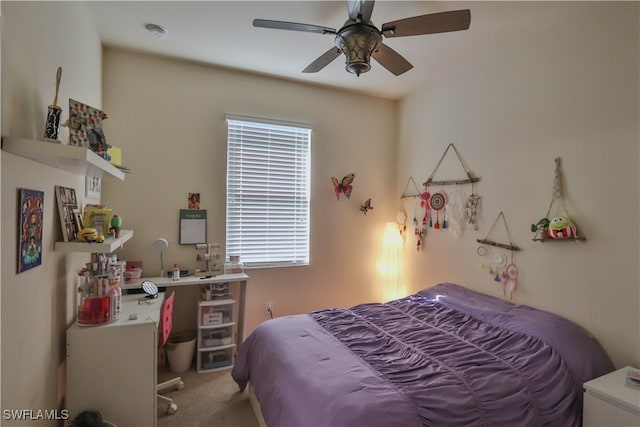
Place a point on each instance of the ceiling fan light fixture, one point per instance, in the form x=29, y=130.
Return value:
x=359, y=39
x=358, y=42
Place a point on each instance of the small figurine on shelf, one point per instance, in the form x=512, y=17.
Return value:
x=116, y=223
x=88, y=235
x=561, y=227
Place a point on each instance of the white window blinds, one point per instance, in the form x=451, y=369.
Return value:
x=267, y=192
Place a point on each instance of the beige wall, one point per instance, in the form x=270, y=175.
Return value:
x=168, y=117
x=572, y=95
x=570, y=92
x=37, y=305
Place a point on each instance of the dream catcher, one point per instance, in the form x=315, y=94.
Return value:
x=343, y=186
x=420, y=225
x=556, y=225
x=401, y=220
x=420, y=213
x=457, y=214
x=471, y=204
x=473, y=208
x=438, y=202
x=501, y=267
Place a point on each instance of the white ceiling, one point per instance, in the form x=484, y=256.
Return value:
x=221, y=33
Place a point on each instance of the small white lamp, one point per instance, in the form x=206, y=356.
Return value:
x=160, y=245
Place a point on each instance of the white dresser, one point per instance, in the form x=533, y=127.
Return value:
x=112, y=368
x=609, y=402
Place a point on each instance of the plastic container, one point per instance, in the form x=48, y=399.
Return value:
x=132, y=274
x=180, y=349
x=94, y=310
x=233, y=267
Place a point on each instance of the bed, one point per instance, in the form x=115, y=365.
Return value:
x=445, y=356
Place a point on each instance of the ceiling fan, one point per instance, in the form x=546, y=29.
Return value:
x=359, y=39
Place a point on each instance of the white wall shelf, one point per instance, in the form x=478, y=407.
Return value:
x=110, y=244
x=77, y=160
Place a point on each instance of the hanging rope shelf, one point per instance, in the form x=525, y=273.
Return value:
x=469, y=180
x=560, y=227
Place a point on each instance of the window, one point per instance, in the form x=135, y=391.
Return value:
x=268, y=192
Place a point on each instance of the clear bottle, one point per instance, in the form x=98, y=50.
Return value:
x=175, y=274
x=115, y=296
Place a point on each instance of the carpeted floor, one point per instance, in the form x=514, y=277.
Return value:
x=207, y=400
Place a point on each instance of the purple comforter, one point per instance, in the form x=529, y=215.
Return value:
x=446, y=356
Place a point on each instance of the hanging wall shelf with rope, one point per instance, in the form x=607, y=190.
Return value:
x=556, y=225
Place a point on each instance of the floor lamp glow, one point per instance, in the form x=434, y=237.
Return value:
x=160, y=245
x=389, y=259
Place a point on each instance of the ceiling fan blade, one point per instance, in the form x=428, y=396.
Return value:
x=323, y=60
x=292, y=26
x=391, y=60
x=442, y=22
x=360, y=8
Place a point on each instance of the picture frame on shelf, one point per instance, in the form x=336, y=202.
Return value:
x=67, y=205
x=30, y=205
x=79, y=223
x=98, y=218
x=93, y=187
x=85, y=128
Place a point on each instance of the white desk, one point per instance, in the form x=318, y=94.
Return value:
x=112, y=368
x=241, y=278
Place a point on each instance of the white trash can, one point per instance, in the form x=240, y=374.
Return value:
x=180, y=348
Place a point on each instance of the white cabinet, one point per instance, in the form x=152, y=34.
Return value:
x=610, y=402
x=112, y=368
x=216, y=335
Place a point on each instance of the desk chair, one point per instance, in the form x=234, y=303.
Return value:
x=166, y=322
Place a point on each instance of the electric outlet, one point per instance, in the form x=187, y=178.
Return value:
x=268, y=307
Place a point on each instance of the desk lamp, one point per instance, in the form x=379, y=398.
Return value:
x=160, y=245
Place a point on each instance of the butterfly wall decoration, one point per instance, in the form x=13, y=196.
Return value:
x=343, y=186
x=366, y=206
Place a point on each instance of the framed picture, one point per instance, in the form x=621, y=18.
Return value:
x=194, y=201
x=79, y=223
x=30, y=205
x=97, y=217
x=67, y=204
x=193, y=226
x=93, y=187
x=85, y=128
